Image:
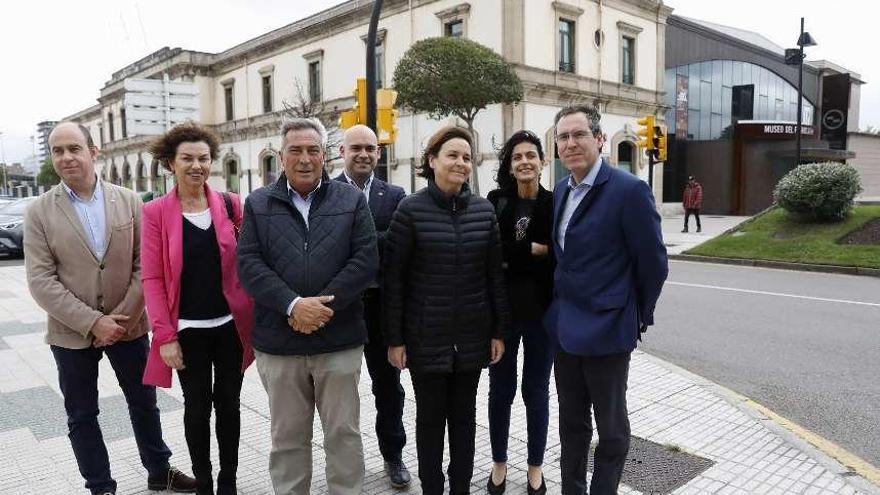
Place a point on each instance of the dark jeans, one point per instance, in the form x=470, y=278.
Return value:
x=387, y=391
x=582, y=381
x=443, y=398
x=537, y=363
x=207, y=350
x=78, y=379
x=687, y=217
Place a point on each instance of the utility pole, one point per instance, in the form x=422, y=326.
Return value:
x=371, y=65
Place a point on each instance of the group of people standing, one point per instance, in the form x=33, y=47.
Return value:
x=312, y=275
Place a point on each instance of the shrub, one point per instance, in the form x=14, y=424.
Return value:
x=819, y=191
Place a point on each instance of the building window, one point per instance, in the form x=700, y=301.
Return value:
x=379, y=56
x=228, y=101
x=453, y=21
x=566, y=45
x=110, y=126
x=101, y=134
x=122, y=121
x=315, y=81
x=628, y=60
x=267, y=94
x=232, y=180
x=270, y=169
x=454, y=29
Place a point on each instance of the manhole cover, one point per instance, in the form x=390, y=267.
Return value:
x=654, y=468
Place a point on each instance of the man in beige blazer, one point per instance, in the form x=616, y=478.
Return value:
x=82, y=254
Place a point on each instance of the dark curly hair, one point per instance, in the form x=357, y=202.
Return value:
x=438, y=139
x=164, y=148
x=505, y=157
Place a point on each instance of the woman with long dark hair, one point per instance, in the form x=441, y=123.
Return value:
x=445, y=305
x=525, y=217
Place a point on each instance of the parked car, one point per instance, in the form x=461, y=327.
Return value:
x=12, y=226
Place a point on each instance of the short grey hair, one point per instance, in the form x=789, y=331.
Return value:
x=302, y=123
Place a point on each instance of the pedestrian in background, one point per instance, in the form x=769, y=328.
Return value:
x=525, y=218
x=201, y=317
x=692, y=200
x=445, y=305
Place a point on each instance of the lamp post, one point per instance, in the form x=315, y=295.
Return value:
x=803, y=40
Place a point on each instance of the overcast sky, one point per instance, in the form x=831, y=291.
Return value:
x=56, y=54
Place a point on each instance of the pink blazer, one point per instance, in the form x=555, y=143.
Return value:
x=161, y=267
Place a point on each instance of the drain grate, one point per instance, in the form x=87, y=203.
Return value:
x=654, y=468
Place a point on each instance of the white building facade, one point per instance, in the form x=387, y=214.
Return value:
x=609, y=53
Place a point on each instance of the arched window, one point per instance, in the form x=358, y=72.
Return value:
x=156, y=178
x=231, y=172
x=141, y=174
x=625, y=155
x=126, y=174
x=114, y=175
x=269, y=169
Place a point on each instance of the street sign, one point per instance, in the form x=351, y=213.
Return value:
x=152, y=106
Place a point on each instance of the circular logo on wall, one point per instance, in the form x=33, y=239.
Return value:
x=832, y=119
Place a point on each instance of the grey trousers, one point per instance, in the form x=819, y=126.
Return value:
x=296, y=386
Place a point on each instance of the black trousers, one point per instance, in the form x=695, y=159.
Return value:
x=78, y=379
x=446, y=399
x=687, y=217
x=600, y=382
x=206, y=352
x=387, y=391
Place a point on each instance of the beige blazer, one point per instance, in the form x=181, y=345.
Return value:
x=69, y=282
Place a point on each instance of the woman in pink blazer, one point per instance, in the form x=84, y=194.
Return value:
x=201, y=317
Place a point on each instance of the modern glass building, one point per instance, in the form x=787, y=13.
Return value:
x=722, y=92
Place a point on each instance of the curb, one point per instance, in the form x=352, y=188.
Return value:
x=781, y=265
x=857, y=472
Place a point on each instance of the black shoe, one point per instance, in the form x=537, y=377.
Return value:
x=397, y=473
x=699, y=229
x=541, y=490
x=173, y=480
x=494, y=489
x=684, y=230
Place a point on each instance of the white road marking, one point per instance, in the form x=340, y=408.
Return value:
x=778, y=294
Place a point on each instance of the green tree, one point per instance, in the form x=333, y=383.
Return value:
x=47, y=175
x=455, y=76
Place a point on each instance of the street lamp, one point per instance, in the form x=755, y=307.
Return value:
x=803, y=40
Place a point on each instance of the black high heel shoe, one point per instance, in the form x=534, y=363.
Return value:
x=494, y=489
x=541, y=490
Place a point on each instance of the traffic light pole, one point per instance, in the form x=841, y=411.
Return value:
x=371, y=65
x=651, y=163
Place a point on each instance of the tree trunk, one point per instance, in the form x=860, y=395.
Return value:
x=475, y=159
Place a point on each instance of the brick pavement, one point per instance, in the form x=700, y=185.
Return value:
x=668, y=406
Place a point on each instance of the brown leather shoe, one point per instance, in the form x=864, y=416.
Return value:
x=173, y=480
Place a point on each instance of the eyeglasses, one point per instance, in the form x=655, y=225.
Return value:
x=573, y=136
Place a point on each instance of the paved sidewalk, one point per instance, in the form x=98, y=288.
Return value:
x=713, y=226
x=736, y=450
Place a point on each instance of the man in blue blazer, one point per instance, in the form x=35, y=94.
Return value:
x=611, y=265
x=360, y=152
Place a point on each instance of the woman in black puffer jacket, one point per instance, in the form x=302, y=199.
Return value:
x=445, y=305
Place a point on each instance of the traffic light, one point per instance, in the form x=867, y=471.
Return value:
x=646, y=131
x=660, y=142
x=386, y=116
x=358, y=112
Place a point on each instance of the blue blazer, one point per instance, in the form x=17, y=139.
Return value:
x=608, y=279
x=384, y=198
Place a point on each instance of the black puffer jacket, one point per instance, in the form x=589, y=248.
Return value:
x=444, y=295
